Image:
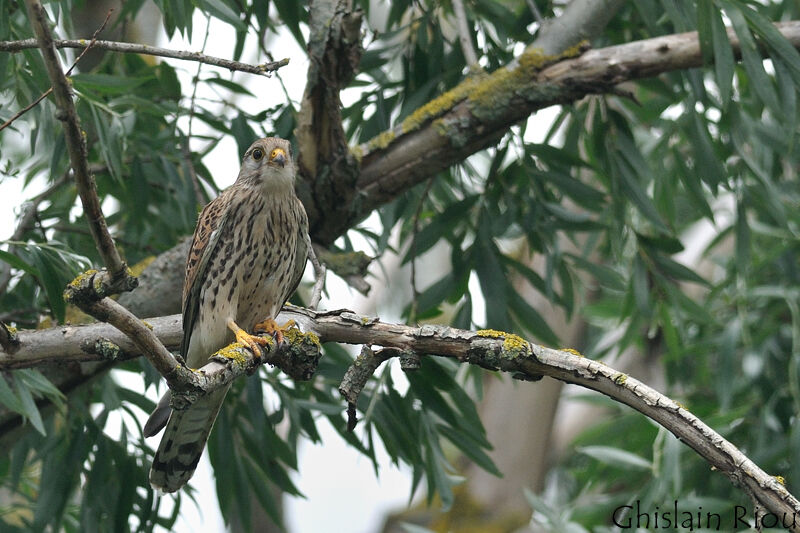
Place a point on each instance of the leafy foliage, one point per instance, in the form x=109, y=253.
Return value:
x=667, y=223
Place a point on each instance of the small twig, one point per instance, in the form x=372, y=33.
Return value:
x=537, y=15
x=187, y=158
x=357, y=376
x=350, y=266
x=319, y=275
x=465, y=35
x=412, y=314
x=263, y=69
x=25, y=109
x=76, y=144
x=45, y=94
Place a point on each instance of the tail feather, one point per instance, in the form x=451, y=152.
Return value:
x=159, y=417
x=183, y=442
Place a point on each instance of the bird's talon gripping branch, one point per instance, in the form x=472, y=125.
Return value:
x=253, y=342
x=270, y=326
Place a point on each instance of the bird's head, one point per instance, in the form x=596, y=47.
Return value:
x=268, y=162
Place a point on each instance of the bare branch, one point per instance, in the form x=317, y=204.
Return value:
x=263, y=69
x=25, y=109
x=76, y=145
x=492, y=350
x=357, y=376
x=537, y=15
x=465, y=35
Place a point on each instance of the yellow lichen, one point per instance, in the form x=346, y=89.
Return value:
x=505, y=82
x=514, y=343
x=780, y=479
x=619, y=378
x=493, y=333
x=234, y=352
x=572, y=351
x=11, y=330
x=357, y=153
x=295, y=336
x=382, y=140
x=149, y=325
x=137, y=269
x=439, y=105
x=679, y=404
x=80, y=278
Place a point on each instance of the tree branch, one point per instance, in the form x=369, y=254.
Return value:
x=477, y=112
x=76, y=146
x=492, y=350
x=465, y=35
x=263, y=69
x=326, y=168
x=45, y=94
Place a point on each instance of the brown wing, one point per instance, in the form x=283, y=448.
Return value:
x=203, y=242
x=301, y=255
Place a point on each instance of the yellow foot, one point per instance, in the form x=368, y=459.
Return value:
x=251, y=341
x=272, y=327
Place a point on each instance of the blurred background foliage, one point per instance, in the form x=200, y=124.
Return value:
x=663, y=220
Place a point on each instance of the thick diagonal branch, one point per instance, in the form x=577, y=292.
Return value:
x=476, y=113
x=76, y=144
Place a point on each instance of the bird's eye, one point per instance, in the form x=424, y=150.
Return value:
x=274, y=154
x=258, y=153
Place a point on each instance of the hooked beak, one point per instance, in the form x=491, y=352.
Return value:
x=280, y=157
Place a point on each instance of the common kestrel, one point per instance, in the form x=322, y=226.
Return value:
x=247, y=256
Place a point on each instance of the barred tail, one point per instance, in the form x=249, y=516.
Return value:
x=183, y=441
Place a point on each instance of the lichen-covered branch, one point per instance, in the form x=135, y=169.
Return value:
x=298, y=359
x=492, y=350
x=476, y=113
x=76, y=147
x=263, y=69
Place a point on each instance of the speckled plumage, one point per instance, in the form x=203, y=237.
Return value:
x=247, y=256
